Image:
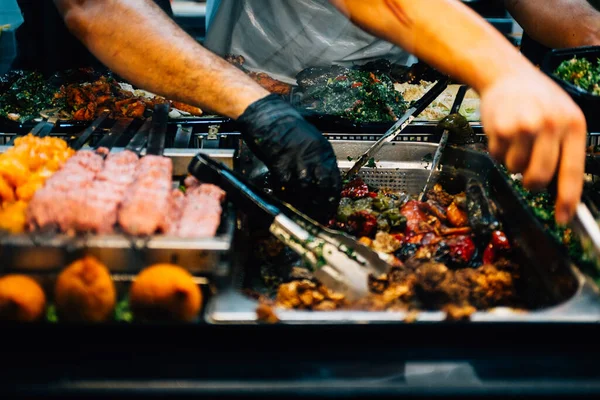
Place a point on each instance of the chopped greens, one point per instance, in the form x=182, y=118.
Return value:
x=542, y=206
x=581, y=73
x=371, y=163
x=26, y=97
x=357, y=95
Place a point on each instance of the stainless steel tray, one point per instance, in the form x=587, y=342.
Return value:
x=199, y=256
x=561, y=291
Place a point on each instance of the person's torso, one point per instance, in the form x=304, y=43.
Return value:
x=283, y=37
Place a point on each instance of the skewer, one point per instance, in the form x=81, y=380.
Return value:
x=155, y=139
x=158, y=132
x=117, y=130
x=139, y=140
x=87, y=132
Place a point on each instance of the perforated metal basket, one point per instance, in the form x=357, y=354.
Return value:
x=400, y=168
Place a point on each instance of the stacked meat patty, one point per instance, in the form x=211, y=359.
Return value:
x=146, y=202
x=93, y=194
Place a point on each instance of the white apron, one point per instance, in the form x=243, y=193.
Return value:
x=282, y=37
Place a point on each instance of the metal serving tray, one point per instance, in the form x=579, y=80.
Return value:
x=122, y=254
x=554, y=289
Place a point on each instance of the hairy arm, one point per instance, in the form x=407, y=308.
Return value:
x=444, y=33
x=558, y=23
x=518, y=103
x=138, y=41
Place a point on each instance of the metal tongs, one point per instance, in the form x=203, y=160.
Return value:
x=338, y=261
x=417, y=108
x=437, y=157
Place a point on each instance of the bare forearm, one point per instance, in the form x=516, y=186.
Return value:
x=138, y=41
x=444, y=33
x=558, y=23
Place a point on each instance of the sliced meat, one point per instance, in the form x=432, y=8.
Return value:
x=201, y=214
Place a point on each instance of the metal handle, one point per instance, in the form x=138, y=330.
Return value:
x=158, y=132
x=238, y=190
x=87, y=132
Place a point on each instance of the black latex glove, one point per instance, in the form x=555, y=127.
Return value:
x=301, y=161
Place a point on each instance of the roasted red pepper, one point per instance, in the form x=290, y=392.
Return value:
x=341, y=78
x=356, y=84
x=362, y=223
x=399, y=237
x=498, y=244
x=461, y=248
x=416, y=219
x=374, y=79
x=356, y=189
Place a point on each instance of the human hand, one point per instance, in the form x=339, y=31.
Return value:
x=300, y=159
x=536, y=129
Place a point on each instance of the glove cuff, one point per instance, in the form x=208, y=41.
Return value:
x=262, y=113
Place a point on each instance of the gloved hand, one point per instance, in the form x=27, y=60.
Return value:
x=300, y=159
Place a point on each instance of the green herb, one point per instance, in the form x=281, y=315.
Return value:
x=581, y=73
x=349, y=252
x=350, y=158
x=321, y=262
x=123, y=312
x=182, y=188
x=371, y=163
x=51, y=314
x=427, y=158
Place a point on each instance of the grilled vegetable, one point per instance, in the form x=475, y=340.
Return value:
x=460, y=130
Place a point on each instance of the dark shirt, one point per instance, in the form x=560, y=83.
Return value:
x=533, y=50
x=45, y=44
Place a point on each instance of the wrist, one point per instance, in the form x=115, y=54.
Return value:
x=245, y=100
x=266, y=111
x=508, y=67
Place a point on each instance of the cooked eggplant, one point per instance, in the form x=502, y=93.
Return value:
x=460, y=130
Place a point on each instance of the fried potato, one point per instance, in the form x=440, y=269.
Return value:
x=21, y=299
x=85, y=292
x=165, y=292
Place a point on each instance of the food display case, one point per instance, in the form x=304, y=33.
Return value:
x=482, y=295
